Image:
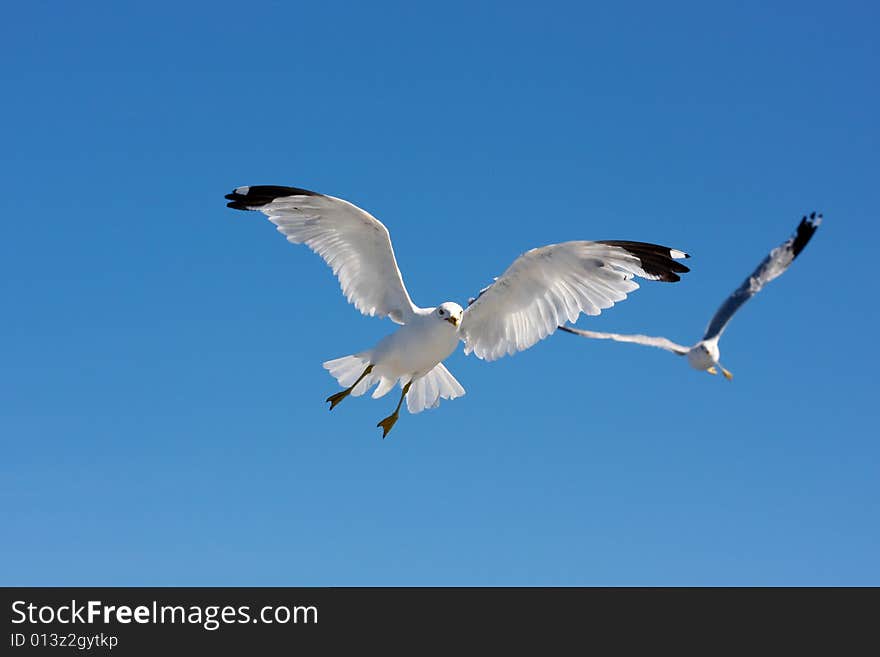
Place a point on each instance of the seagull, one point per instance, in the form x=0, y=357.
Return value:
x=705, y=354
x=541, y=289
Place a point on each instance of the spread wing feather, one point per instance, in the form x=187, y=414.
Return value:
x=351, y=241
x=551, y=285
x=647, y=340
x=773, y=266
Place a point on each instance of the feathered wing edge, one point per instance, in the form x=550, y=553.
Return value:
x=646, y=340
x=771, y=267
x=547, y=286
x=355, y=244
x=659, y=263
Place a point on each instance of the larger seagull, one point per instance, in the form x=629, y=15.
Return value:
x=705, y=354
x=543, y=288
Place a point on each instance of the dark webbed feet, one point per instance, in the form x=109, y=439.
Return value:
x=338, y=397
x=389, y=421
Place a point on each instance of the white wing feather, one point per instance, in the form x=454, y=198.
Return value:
x=771, y=267
x=646, y=340
x=351, y=241
x=549, y=286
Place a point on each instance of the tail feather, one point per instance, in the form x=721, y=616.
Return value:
x=384, y=386
x=347, y=369
x=365, y=384
x=427, y=391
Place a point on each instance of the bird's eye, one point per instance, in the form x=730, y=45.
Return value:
x=440, y=312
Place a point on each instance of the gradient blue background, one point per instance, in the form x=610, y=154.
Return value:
x=161, y=390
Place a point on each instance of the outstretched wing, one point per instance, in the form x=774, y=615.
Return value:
x=647, y=340
x=548, y=286
x=352, y=241
x=771, y=267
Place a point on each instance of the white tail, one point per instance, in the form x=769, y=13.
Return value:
x=347, y=369
x=427, y=391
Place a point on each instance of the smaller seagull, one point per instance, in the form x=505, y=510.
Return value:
x=705, y=354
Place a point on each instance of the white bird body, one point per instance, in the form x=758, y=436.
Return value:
x=415, y=348
x=704, y=355
x=541, y=289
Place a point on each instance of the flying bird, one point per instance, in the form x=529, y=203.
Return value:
x=705, y=355
x=543, y=288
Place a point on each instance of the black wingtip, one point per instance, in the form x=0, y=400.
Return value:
x=255, y=196
x=805, y=231
x=659, y=262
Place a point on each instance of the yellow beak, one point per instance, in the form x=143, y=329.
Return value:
x=452, y=320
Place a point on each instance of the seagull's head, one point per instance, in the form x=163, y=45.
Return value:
x=704, y=355
x=449, y=312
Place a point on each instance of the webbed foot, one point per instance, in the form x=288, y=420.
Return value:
x=388, y=423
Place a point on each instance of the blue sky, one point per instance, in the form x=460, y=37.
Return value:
x=161, y=395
